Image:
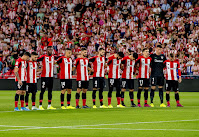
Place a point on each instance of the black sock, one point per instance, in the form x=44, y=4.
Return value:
x=62, y=99
x=77, y=95
x=110, y=92
x=101, y=96
x=16, y=97
x=122, y=97
x=167, y=97
x=41, y=96
x=177, y=96
x=21, y=97
x=161, y=95
x=118, y=92
x=131, y=95
x=145, y=95
x=49, y=96
x=152, y=95
x=94, y=96
x=139, y=95
x=83, y=95
x=33, y=98
x=26, y=99
x=68, y=99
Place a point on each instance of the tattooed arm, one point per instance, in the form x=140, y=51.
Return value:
x=17, y=75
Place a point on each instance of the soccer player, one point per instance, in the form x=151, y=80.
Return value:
x=31, y=84
x=143, y=76
x=47, y=76
x=81, y=65
x=157, y=75
x=65, y=64
x=172, y=67
x=20, y=78
x=98, y=76
x=114, y=63
x=128, y=76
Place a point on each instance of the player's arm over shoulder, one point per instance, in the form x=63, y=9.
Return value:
x=40, y=58
x=92, y=59
x=59, y=60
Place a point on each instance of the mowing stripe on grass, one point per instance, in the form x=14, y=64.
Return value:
x=82, y=126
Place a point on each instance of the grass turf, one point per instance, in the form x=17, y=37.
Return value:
x=114, y=122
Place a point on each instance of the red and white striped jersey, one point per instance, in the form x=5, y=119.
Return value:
x=144, y=66
x=82, y=69
x=47, y=64
x=21, y=64
x=171, y=68
x=98, y=66
x=65, y=67
x=128, y=68
x=114, y=67
x=31, y=72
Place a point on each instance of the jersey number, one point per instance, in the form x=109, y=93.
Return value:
x=62, y=84
x=123, y=84
x=95, y=83
x=141, y=82
x=43, y=84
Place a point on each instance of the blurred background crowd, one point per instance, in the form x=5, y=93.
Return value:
x=116, y=25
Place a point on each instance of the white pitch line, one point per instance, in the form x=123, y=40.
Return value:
x=82, y=126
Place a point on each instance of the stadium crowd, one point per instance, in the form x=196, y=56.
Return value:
x=119, y=25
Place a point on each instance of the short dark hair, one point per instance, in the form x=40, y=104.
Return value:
x=68, y=48
x=135, y=55
x=49, y=47
x=34, y=53
x=171, y=55
x=100, y=49
x=129, y=50
x=82, y=49
x=144, y=49
x=121, y=54
x=27, y=54
x=159, y=46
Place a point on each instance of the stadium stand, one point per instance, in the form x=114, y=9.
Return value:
x=119, y=25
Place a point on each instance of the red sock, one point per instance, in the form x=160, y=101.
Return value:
x=93, y=100
x=62, y=103
x=49, y=101
x=118, y=100
x=122, y=99
x=40, y=101
x=26, y=103
x=177, y=101
x=84, y=102
x=168, y=103
x=109, y=100
x=77, y=102
x=33, y=103
x=22, y=103
x=145, y=101
x=16, y=103
x=131, y=99
x=101, y=100
x=138, y=101
x=68, y=102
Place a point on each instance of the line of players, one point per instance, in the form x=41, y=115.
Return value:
x=149, y=67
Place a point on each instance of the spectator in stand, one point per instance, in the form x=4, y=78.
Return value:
x=195, y=69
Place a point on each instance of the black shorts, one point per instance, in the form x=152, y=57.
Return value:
x=98, y=82
x=21, y=87
x=66, y=83
x=114, y=82
x=157, y=81
x=171, y=84
x=143, y=82
x=31, y=87
x=128, y=83
x=46, y=82
x=82, y=84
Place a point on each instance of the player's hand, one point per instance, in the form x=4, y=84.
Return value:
x=20, y=82
x=180, y=80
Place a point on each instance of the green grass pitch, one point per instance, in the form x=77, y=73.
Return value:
x=116, y=122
